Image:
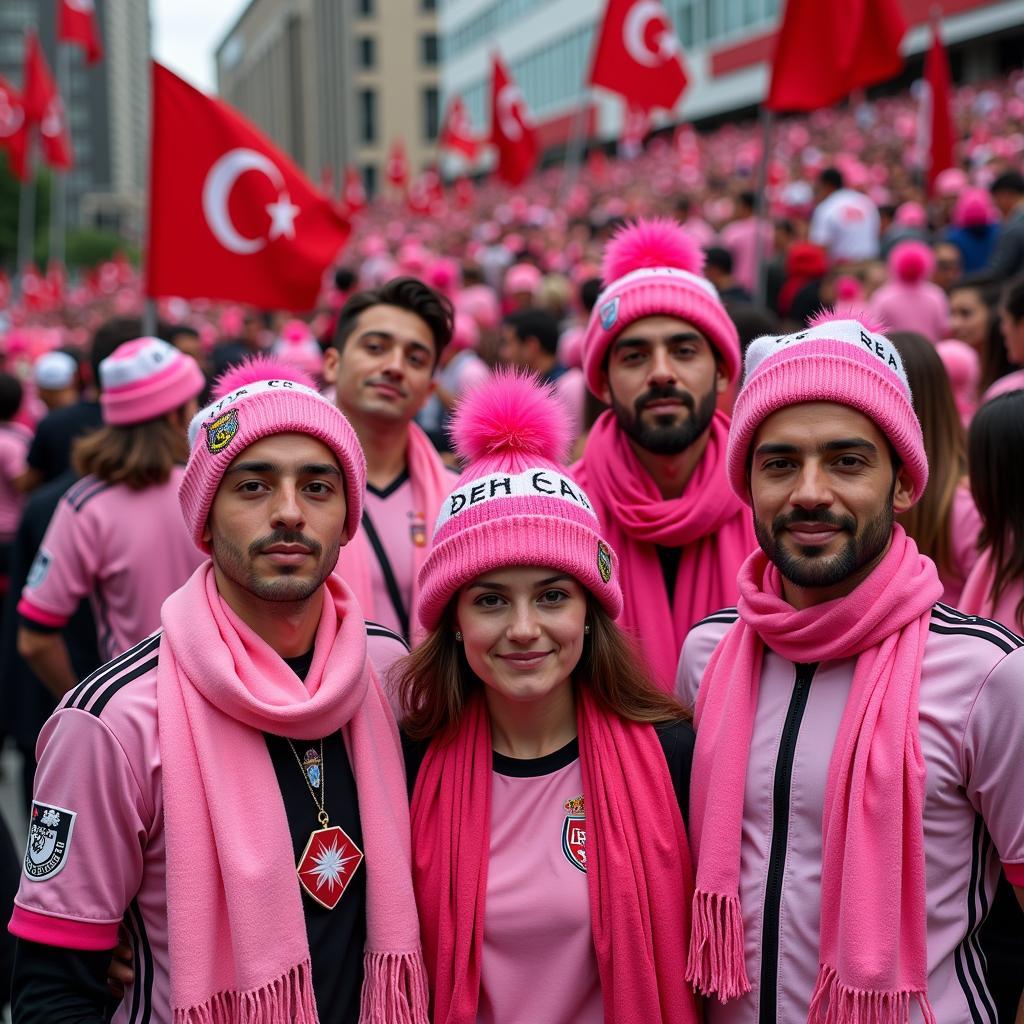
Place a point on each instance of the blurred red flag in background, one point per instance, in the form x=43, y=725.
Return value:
x=13, y=128
x=397, y=170
x=457, y=133
x=512, y=130
x=76, y=23
x=43, y=105
x=940, y=122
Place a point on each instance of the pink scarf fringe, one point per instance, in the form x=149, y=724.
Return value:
x=286, y=1000
x=836, y=1003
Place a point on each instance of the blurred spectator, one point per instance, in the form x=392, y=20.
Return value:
x=806, y=266
x=949, y=265
x=963, y=367
x=1007, y=258
x=1011, y=323
x=909, y=223
x=718, y=264
x=740, y=238
x=909, y=301
x=57, y=380
x=845, y=222
x=974, y=320
x=975, y=228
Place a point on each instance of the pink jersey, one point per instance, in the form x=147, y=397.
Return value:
x=126, y=550
x=964, y=530
x=14, y=442
x=977, y=595
x=971, y=721
x=96, y=857
x=394, y=524
x=539, y=962
x=740, y=238
x=921, y=307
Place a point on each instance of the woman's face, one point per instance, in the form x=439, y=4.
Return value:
x=969, y=317
x=1013, y=337
x=522, y=629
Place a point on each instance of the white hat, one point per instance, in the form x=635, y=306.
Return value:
x=55, y=371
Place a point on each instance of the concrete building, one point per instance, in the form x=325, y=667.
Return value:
x=548, y=46
x=335, y=82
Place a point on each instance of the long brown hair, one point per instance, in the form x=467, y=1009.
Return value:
x=929, y=521
x=139, y=456
x=435, y=680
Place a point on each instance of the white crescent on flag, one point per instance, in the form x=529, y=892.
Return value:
x=510, y=112
x=634, y=33
x=12, y=117
x=52, y=124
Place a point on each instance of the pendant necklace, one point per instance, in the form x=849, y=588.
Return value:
x=330, y=858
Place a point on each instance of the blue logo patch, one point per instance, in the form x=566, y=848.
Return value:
x=609, y=313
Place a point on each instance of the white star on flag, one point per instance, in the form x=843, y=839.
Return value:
x=282, y=217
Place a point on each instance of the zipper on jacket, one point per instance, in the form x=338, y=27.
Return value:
x=769, y=982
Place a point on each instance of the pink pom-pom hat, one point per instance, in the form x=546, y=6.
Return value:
x=653, y=267
x=146, y=378
x=514, y=504
x=843, y=361
x=257, y=399
x=911, y=261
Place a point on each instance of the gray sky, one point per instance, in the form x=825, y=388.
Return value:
x=186, y=32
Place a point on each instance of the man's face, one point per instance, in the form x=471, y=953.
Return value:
x=277, y=523
x=948, y=266
x=385, y=371
x=512, y=351
x=1005, y=200
x=824, y=495
x=662, y=383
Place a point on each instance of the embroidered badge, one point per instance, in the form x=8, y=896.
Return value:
x=49, y=838
x=574, y=833
x=609, y=313
x=327, y=865
x=40, y=567
x=311, y=766
x=418, y=529
x=604, y=560
x=221, y=431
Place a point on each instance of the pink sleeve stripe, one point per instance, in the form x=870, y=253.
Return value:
x=40, y=615
x=58, y=931
x=1014, y=873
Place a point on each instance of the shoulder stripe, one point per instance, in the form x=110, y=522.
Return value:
x=86, y=494
x=964, y=630
x=945, y=613
x=727, y=615
x=78, y=486
x=144, y=965
x=376, y=629
x=120, y=682
x=107, y=672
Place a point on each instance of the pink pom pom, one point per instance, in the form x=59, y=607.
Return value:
x=911, y=262
x=650, y=242
x=515, y=415
x=258, y=368
x=872, y=324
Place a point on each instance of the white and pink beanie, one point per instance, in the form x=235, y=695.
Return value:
x=146, y=378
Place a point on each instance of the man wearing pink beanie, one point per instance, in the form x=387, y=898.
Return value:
x=660, y=348
x=857, y=787
x=230, y=791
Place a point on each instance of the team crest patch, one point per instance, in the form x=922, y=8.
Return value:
x=40, y=567
x=221, y=431
x=574, y=833
x=49, y=838
x=604, y=560
x=609, y=313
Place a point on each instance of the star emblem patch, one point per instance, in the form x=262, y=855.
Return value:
x=327, y=865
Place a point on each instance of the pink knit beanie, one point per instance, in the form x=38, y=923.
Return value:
x=146, y=378
x=259, y=398
x=843, y=361
x=652, y=267
x=514, y=504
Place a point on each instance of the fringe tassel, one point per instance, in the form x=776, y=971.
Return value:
x=836, y=1003
x=288, y=999
x=716, y=963
x=394, y=989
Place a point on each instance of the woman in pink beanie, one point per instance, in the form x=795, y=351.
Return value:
x=549, y=776
x=909, y=301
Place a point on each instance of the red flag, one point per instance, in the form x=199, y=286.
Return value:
x=457, y=132
x=43, y=104
x=397, y=170
x=465, y=193
x=512, y=130
x=942, y=133
x=354, y=194
x=638, y=55
x=13, y=129
x=231, y=217
x=826, y=50
x=76, y=23
x=5, y=290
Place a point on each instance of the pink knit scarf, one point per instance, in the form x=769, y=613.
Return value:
x=707, y=521
x=431, y=484
x=638, y=867
x=238, y=944
x=873, y=955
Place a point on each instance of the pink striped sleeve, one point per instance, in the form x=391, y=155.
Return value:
x=59, y=931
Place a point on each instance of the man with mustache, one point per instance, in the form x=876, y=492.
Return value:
x=386, y=346
x=660, y=348
x=858, y=789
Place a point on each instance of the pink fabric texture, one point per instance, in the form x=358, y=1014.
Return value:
x=146, y=378
x=709, y=522
x=912, y=306
x=220, y=687
x=873, y=955
x=59, y=932
x=841, y=361
x=273, y=399
x=976, y=598
x=1004, y=385
x=638, y=867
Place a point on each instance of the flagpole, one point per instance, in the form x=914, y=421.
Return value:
x=577, y=143
x=58, y=183
x=27, y=209
x=767, y=119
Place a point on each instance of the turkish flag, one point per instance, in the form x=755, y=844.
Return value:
x=940, y=120
x=457, y=132
x=512, y=130
x=826, y=50
x=13, y=129
x=638, y=55
x=76, y=23
x=230, y=216
x=354, y=194
x=397, y=170
x=43, y=104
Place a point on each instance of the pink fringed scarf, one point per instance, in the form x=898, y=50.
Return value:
x=873, y=954
x=638, y=867
x=238, y=944
x=431, y=484
x=708, y=522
